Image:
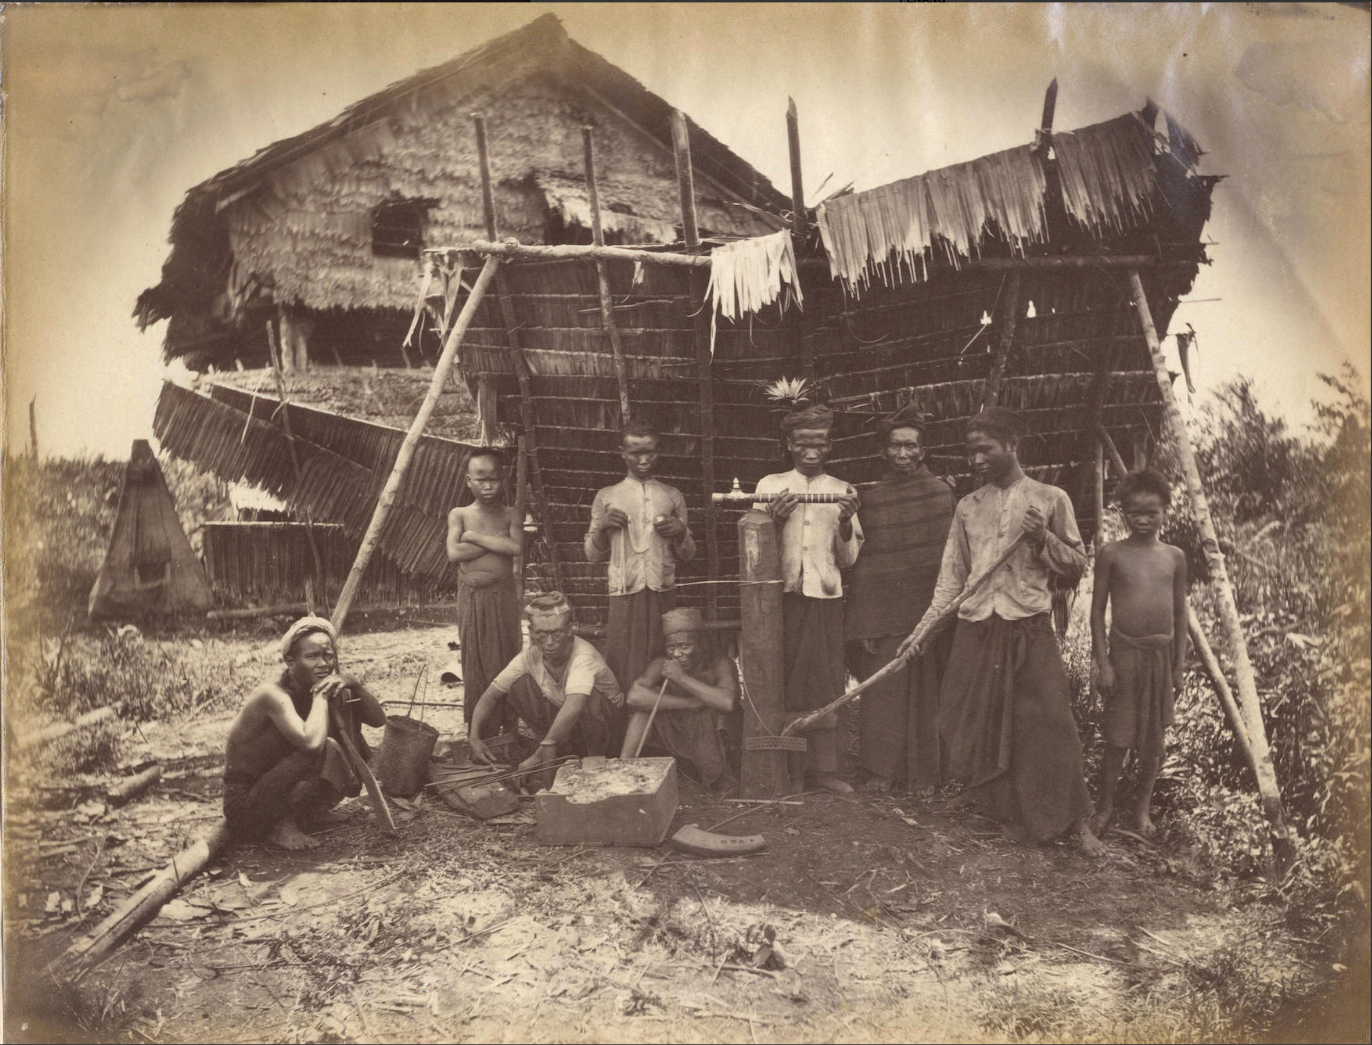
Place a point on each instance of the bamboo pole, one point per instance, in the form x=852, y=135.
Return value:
x=765, y=771
x=916, y=642
x=139, y=909
x=1268, y=790
x=577, y=252
x=48, y=734
x=799, y=231
x=520, y=362
x=607, y=316
x=1005, y=339
x=33, y=427
x=681, y=149
x=1098, y=496
x=1112, y=450
x=520, y=507
x=411, y=443
x=1211, y=663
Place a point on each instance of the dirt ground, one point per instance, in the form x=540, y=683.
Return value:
x=866, y=918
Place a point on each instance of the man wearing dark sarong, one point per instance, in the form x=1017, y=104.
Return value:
x=559, y=686
x=905, y=519
x=484, y=538
x=1005, y=709
x=639, y=525
x=694, y=689
x=816, y=541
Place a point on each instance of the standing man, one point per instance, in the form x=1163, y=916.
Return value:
x=484, y=539
x=559, y=686
x=816, y=541
x=639, y=525
x=283, y=766
x=905, y=519
x=1005, y=708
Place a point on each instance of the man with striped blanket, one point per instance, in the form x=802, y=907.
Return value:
x=905, y=518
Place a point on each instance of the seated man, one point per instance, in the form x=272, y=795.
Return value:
x=283, y=767
x=559, y=686
x=693, y=711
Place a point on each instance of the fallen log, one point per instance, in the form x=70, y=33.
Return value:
x=58, y=730
x=912, y=647
x=130, y=788
x=140, y=908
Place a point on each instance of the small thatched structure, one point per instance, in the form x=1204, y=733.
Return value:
x=323, y=231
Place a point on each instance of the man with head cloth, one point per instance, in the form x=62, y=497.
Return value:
x=905, y=519
x=1005, y=708
x=283, y=766
x=816, y=542
x=559, y=685
x=694, y=688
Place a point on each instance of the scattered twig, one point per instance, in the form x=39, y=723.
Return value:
x=1088, y=954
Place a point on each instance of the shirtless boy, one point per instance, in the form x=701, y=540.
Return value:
x=484, y=538
x=1140, y=663
x=283, y=767
x=700, y=696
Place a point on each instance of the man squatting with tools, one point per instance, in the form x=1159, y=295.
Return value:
x=284, y=767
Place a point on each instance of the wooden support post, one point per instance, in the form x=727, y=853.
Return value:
x=1005, y=339
x=411, y=443
x=800, y=231
x=765, y=771
x=1098, y=500
x=1043, y=139
x=33, y=427
x=521, y=509
x=1112, y=450
x=581, y=251
x=1211, y=664
x=1268, y=789
x=321, y=579
x=140, y=908
x=681, y=145
x=1140, y=450
x=520, y=362
x=607, y=315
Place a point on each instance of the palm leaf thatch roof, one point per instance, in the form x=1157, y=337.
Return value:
x=292, y=225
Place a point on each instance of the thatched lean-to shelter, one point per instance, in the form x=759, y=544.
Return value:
x=1003, y=279
x=322, y=232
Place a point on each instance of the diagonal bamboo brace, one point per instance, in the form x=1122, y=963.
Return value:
x=913, y=646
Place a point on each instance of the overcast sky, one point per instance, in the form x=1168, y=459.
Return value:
x=111, y=113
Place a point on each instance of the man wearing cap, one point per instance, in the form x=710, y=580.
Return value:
x=816, y=541
x=1005, y=707
x=283, y=766
x=688, y=697
x=905, y=518
x=639, y=526
x=560, y=686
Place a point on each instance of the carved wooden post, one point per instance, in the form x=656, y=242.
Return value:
x=765, y=772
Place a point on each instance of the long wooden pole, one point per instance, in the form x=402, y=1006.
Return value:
x=1005, y=339
x=607, y=315
x=681, y=147
x=140, y=908
x=1211, y=663
x=1098, y=495
x=515, y=350
x=520, y=506
x=577, y=252
x=33, y=427
x=799, y=232
x=765, y=771
x=1268, y=790
x=916, y=642
x=1112, y=450
x=411, y=443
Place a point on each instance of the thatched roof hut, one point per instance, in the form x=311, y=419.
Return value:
x=324, y=230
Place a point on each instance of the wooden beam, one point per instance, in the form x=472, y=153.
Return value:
x=765, y=772
x=578, y=252
x=1113, y=451
x=411, y=443
x=1268, y=789
x=518, y=360
x=799, y=233
x=1211, y=664
x=607, y=316
x=1098, y=496
x=1005, y=339
x=681, y=141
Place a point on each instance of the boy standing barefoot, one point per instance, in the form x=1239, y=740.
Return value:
x=1140, y=664
x=484, y=538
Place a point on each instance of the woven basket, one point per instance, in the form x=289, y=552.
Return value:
x=402, y=764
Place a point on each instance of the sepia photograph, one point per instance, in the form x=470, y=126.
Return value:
x=645, y=522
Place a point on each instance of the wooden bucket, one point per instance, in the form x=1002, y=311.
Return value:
x=402, y=764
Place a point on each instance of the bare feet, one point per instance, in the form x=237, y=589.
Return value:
x=1100, y=823
x=1090, y=844
x=288, y=836
x=877, y=785
x=328, y=818
x=829, y=782
x=1145, y=826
